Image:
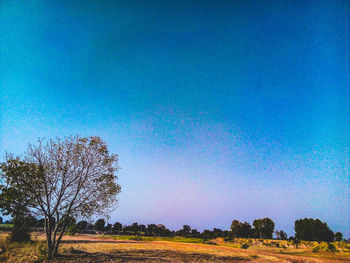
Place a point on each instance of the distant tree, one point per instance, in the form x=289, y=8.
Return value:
x=31, y=221
x=108, y=227
x=40, y=222
x=117, y=227
x=134, y=228
x=142, y=228
x=281, y=235
x=338, y=236
x=310, y=229
x=207, y=234
x=100, y=225
x=161, y=230
x=186, y=230
x=217, y=232
x=240, y=229
x=151, y=229
x=82, y=225
x=265, y=227
x=1, y=220
x=236, y=228
x=195, y=233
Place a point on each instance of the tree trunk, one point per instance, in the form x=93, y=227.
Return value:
x=50, y=242
x=58, y=241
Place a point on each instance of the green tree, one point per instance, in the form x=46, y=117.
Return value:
x=134, y=228
x=13, y=201
x=186, y=230
x=117, y=227
x=100, y=225
x=281, y=235
x=310, y=229
x=62, y=178
x=236, y=228
x=264, y=227
x=82, y=225
x=240, y=229
x=338, y=236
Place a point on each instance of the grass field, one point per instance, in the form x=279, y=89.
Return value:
x=92, y=248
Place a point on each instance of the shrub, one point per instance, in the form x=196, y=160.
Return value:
x=316, y=249
x=20, y=233
x=331, y=248
x=244, y=246
x=136, y=238
x=41, y=251
x=72, y=230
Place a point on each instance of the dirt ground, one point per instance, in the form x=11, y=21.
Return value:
x=93, y=249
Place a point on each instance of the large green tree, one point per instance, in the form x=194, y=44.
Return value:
x=240, y=229
x=264, y=227
x=61, y=179
x=313, y=230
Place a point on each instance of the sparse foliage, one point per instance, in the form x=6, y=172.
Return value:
x=63, y=178
x=281, y=235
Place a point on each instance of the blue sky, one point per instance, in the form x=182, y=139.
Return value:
x=219, y=110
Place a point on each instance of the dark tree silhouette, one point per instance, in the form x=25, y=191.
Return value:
x=338, y=236
x=312, y=230
x=82, y=225
x=100, y=225
x=264, y=227
x=117, y=227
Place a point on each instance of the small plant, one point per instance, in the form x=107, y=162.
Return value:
x=41, y=251
x=208, y=242
x=244, y=246
x=331, y=248
x=72, y=230
x=254, y=256
x=316, y=249
x=3, y=249
x=136, y=238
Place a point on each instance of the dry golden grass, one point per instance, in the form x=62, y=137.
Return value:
x=89, y=248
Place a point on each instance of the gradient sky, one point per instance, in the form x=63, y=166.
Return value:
x=219, y=110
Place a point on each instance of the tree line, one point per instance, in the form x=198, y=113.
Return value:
x=307, y=229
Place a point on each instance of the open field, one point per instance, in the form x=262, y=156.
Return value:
x=92, y=248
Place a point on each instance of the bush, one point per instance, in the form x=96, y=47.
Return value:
x=41, y=251
x=316, y=249
x=72, y=230
x=136, y=238
x=207, y=241
x=331, y=248
x=19, y=233
x=244, y=246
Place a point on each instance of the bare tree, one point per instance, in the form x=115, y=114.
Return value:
x=64, y=178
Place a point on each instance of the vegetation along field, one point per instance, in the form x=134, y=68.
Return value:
x=113, y=248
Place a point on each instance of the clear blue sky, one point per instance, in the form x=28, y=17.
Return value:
x=219, y=110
